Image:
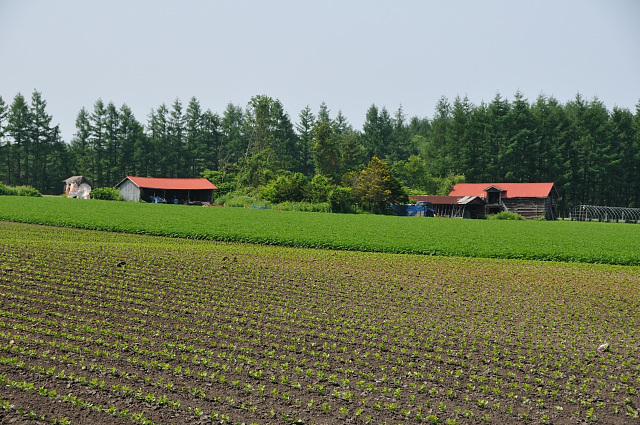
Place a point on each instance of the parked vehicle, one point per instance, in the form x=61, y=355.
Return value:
x=157, y=200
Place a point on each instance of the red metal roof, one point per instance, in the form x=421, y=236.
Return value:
x=170, y=184
x=446, y=200
x=509, y=190
x=436, y=199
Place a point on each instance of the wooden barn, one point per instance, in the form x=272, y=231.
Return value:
x=453, y=206
x=172, y=191
x=530, y=200
x=78, y=187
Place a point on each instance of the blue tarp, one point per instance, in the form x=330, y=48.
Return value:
x=413, y=210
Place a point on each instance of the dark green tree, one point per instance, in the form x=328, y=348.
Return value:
x=437, y=152
x=401, y=144
x=194, y=143
x=319, y=188
x=620, y=172
x=375, y=187
x=81, y=146
x=210, y=143
x=305, y=140
x=377, y=133
x=5, y=146
x=97, y=142
x=635, y=159
x=270, y=140
x=352, y=153
x=19, y=128
x=590, y=149
x=134, y=146
x=458, y=145
x=326, y=148
x=42, y=141
x=476, y=150
x=60, y=163
x=112, y=146
x=175, y=132
x=233, y=137
x=551, y=130
x=521, y=149
x=341, y=125
x=287, y=187
x=158, y=133
x=496, y=136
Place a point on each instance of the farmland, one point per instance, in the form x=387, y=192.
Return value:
x=103, y=327
x=556, y=241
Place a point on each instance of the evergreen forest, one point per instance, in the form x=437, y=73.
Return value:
x=591, y=153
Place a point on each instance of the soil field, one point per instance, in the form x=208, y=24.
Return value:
x=112, y=328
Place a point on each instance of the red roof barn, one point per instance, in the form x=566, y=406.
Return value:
x=531, y=200
x=183, y=191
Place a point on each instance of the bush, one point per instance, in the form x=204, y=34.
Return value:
x=240, y=201
x=225, y=182
x=506, y=215
x=6, y=190
x=19, y=191
x=341, y=200
x=304, y=206
x=290, y=187
x=106, y=194
x=319, y=189
x=28, y=191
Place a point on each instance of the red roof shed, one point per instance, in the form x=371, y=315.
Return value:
x=531, y=200
x=172, y=190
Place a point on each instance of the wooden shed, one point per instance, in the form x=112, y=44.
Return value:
x=454, y=206
x=173, y=191
x=530, y=200
x=78, y=187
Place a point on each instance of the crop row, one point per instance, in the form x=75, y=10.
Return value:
x=268, y=334
x=549, y=241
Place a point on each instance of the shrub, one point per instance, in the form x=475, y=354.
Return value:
x=240, y=201
x=506, y=215
x=319, y=188
x=19, y=191
x=304, y=206
x=6, y=190
x=286, y=187
x=341, y=200
x=28, y=191
x=225, y=182
x=106, y=194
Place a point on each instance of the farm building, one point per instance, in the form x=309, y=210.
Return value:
x=174, y=191
x=530, y=200
x=477, y=200
x=78, y=187
x=454, y=206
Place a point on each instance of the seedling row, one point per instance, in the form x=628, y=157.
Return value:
x=139, y=329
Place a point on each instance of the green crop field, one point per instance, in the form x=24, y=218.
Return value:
x=551, y=241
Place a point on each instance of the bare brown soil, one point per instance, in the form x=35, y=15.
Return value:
x=118, y=329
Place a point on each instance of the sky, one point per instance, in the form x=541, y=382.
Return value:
x=350, y=54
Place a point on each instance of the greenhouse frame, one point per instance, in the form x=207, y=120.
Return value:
x=606, y=214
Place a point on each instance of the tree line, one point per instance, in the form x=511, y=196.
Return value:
x=592, y=154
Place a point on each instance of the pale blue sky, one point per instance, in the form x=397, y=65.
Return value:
x=349, y=54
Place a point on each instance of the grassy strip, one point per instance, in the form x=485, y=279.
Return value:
x=548, y=241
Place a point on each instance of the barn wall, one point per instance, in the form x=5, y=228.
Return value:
x=529, y=208
x=130, y=191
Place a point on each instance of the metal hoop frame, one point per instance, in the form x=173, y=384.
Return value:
x=597, y=213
